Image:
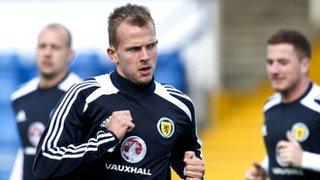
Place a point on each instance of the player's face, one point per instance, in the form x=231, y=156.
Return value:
x=136, y=54
x=284, y=67
x=53, y=53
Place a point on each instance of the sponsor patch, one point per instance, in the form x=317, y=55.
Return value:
x=34, y=132
x=133, y=149
x=165, y=127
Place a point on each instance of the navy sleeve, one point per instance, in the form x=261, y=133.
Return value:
x=70, y=141
x=188, y=141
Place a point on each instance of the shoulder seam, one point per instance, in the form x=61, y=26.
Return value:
x=25, y=89
x=272, y=101
x=164, y=93
x=173, y=91
x=105, y=88
x=69, y=81
x=309, y=100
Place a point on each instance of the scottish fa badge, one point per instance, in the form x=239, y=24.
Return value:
x=300, y=131
x=165, y=127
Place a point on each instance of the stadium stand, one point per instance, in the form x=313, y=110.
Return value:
x=171, y=70
x=8, y=137
x=91, y=64
x=16, y=69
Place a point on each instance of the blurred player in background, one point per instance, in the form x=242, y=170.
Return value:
x=292, y=115
x=33, y=101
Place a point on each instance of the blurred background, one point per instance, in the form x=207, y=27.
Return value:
x=214, y=50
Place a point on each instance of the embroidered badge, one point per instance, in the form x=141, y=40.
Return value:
x=165, y=127
x=300, y=131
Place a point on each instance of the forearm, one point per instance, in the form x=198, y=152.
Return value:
x=62, y=160
x=310, y=161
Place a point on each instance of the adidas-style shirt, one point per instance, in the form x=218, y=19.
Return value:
x=32, y=106
x=77, y=144
x=302, y=118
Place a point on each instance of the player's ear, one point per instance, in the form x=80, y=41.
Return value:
x=71, y=55
x=305, y=63
x=113, y=55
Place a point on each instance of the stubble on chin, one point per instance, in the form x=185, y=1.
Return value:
x=47, y=75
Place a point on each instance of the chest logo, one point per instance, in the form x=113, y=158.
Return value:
x=133, y=149
x=165, y=127
x=34, y=132
x=300, y=131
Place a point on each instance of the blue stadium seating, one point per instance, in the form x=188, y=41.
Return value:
x=16, y=69
x=26, y=69
x=8, y=136
x=87, y=65
x=171, y=70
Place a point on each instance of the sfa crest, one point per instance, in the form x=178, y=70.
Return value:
x=165, y=127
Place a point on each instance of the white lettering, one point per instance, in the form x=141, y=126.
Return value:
x=287, y=171
x=147, y=173
x=120, y=168
x=134, y=170
x=114, y=167
x=108, y=166
x=128, y=169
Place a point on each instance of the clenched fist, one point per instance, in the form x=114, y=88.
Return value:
x=120, y=123
x=194, y=166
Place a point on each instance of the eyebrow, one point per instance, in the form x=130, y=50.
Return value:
x=155, y=42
